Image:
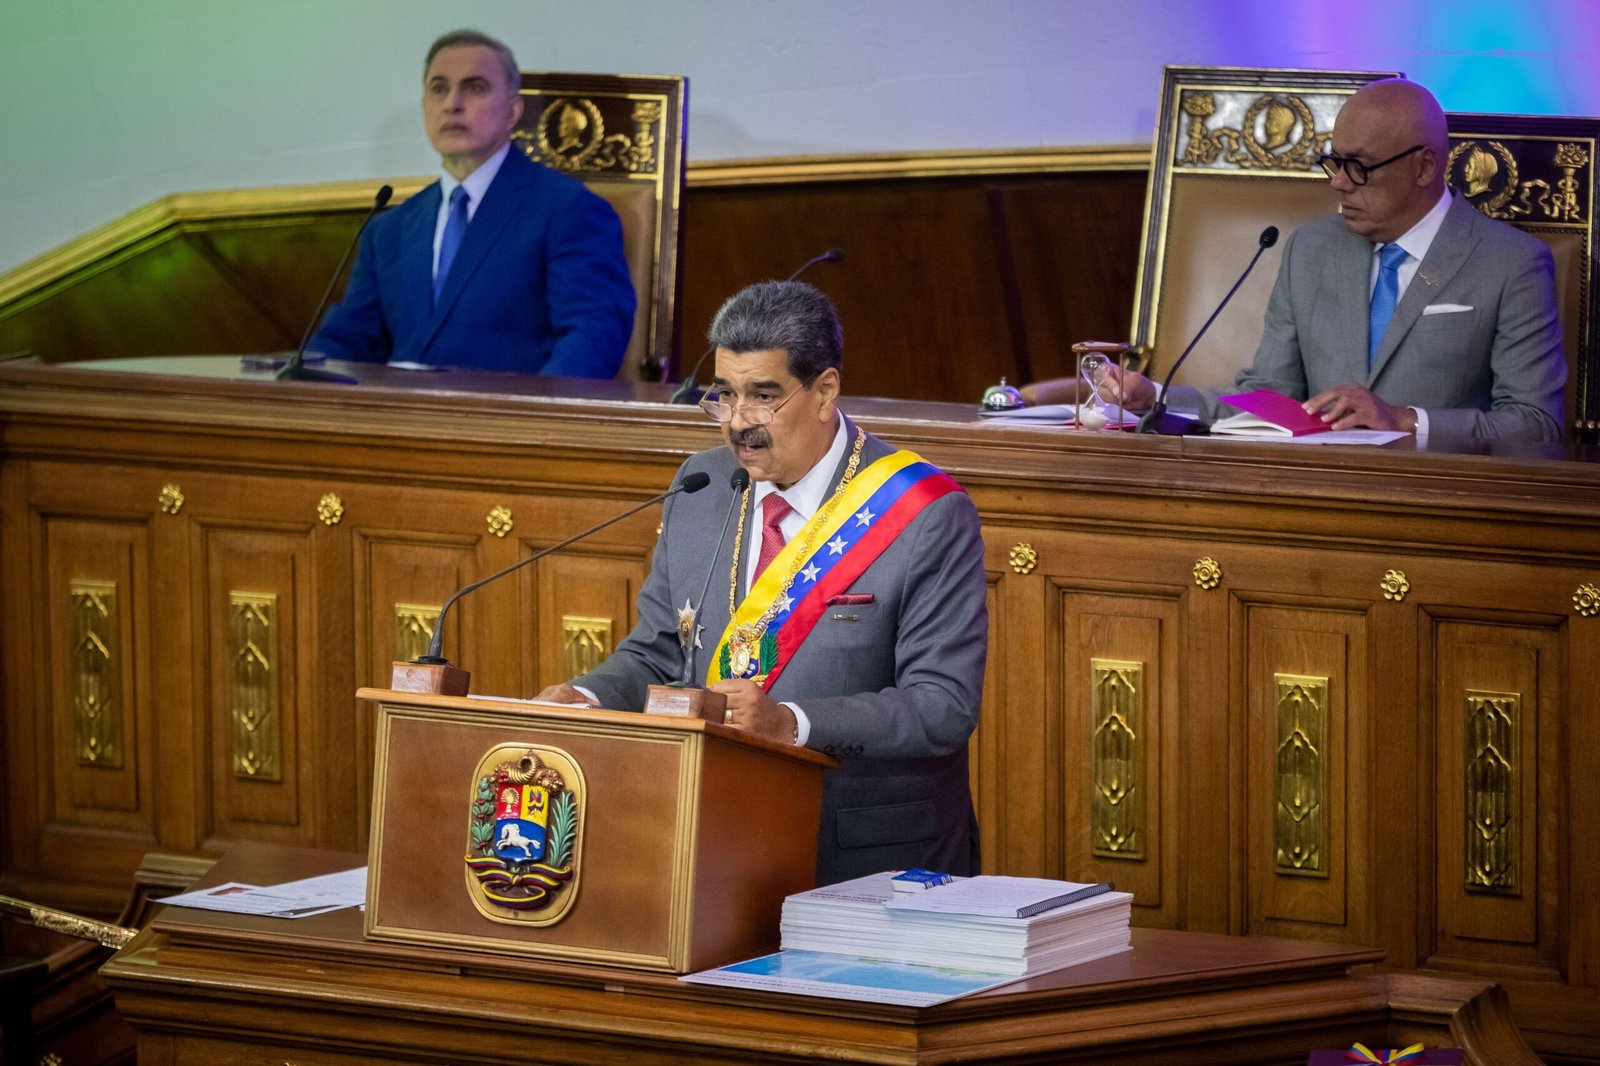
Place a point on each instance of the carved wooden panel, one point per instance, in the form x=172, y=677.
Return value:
x=258, y=682
x=1119, y=674
x=583, y=598
x=1498, y=812
x=1308, y=773
x=95, y=764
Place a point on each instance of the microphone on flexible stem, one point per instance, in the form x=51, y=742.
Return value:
x=1155, y=420
x=738, y=483
x=295, y=369
x=832, y=255
x=434, y=673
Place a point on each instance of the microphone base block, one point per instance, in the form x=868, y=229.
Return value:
x=676, y=702
x=433, y=679
x=1170, y=425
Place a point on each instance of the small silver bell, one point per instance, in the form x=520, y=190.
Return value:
x=1001, y=397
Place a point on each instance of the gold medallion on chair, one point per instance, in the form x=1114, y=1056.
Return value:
x=524, y=835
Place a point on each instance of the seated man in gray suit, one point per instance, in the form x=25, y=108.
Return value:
x=847, y=608
x=1409, y=310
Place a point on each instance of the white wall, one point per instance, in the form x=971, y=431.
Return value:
x=109, y=104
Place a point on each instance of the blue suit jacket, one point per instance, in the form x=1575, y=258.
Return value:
x=539, y=285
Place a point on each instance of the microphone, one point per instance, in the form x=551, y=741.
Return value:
x=295, y=369
x=1152, y=420
x=690, y=483
x=738, y=483
x=832, y=255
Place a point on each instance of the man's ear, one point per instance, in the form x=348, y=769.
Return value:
x=1428, y=166
x=827, y=386
x=516, y=107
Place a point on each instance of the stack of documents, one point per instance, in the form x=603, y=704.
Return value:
x=1017, y=926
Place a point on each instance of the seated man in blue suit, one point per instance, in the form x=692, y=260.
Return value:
x=502, y=264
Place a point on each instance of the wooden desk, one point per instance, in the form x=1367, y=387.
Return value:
x=216, y=988
x=1343, y=695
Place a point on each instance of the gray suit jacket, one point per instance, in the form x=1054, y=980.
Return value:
x=1494, y=370
x=891, y=688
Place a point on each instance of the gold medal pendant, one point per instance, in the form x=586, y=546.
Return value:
x=743, y=649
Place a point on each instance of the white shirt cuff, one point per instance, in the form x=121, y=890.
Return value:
x=1422, y=421
x=802, y=725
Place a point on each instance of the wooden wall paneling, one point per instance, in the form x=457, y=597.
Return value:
x=582, y=599
x=1210, y=732
x=411, y=549
x=258, y=711
x=1016, y=725
x=1119, y=760
x=1309, y=770
x=1499, y=808
x=96, y=774
x=1075, y=241
x=987, y=770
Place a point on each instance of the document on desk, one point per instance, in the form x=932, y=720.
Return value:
x=292, y=899
x=864, y=980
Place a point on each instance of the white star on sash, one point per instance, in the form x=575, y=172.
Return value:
x=836, y=546
x=784, y=604
x=810, y=572
x=865, y=516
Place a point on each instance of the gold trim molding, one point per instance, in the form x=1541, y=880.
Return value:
x=257, y=729
x=1300, y=815
x=1116, y=811
x=96, y=673
x=160, y=220
x=1491, y=818
x=585, y=643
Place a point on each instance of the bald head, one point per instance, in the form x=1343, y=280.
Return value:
x=1383, y=120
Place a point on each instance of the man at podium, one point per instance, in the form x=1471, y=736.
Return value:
x=836, y=596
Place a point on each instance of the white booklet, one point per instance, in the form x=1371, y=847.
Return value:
x=999, y=897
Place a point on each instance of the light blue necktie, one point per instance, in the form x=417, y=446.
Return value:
x=1384, y=296
x=455, y=228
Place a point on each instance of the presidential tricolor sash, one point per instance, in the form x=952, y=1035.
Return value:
x=844, y=537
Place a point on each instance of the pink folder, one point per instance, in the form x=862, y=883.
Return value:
x=1280, y=410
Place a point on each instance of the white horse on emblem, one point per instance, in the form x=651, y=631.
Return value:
x=511, y=837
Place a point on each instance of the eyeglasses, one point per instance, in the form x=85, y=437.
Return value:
x=757, y=414
x=1355, y=169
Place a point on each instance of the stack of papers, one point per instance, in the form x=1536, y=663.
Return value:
x=1004, y=925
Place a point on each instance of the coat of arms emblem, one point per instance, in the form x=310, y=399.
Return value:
x=523, y=837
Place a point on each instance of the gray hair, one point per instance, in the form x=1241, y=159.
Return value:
x=475, y=39
x=787, y=315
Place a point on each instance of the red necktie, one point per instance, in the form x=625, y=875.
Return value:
x=774, y=509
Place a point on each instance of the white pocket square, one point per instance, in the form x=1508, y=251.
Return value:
x=1446, y=309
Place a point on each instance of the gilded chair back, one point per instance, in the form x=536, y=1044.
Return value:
x=623, y=136
x=1236, y=151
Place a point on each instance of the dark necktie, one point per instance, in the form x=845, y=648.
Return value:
x=1384, y=296
x=774, y=509
x=455, y=228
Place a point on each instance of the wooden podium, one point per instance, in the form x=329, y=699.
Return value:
x=667, y=844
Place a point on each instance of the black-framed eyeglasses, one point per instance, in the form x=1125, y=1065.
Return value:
x=1355, y=169
x=757, y=414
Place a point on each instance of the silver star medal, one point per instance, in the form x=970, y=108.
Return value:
x=686, y=623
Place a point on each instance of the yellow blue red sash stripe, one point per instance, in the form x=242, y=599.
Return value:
x=875, y=507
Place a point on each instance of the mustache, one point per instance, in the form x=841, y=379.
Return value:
x=751, y=437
